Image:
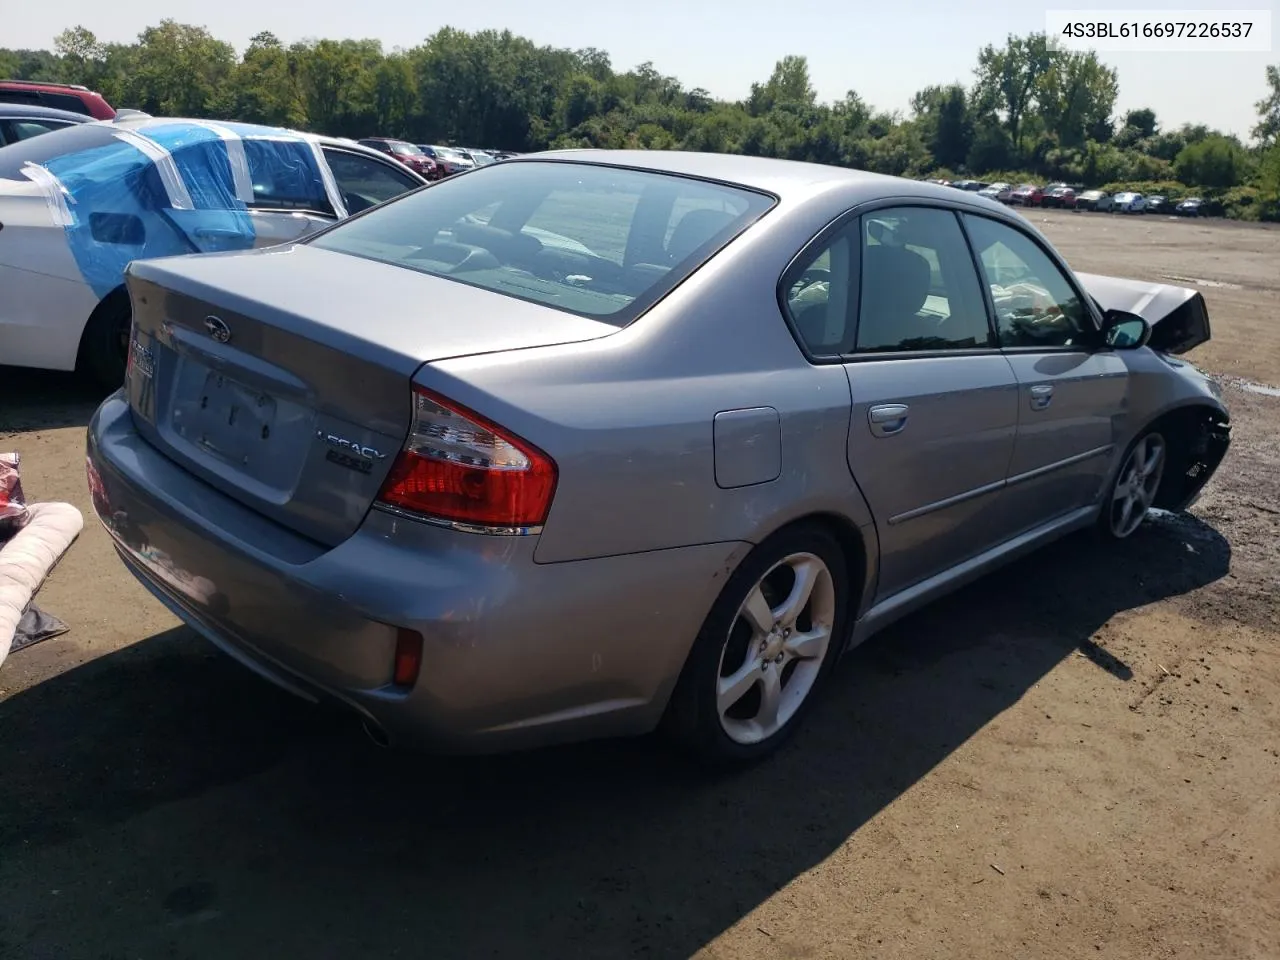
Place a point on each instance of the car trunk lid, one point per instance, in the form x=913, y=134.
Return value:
x=282, y=377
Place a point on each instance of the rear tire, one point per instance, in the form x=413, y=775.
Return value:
x=764, y=650
x=104, y=344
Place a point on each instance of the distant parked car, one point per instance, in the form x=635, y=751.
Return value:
x=1059, y=196
x=479, y=158
x=1158, y=204
x=450, y=159
x=972, y=186
x=411, y=155
x=59, y=96
x=1190, y=207
x=1098, y=200
x=997, y=191
x=20, y=122
x=1128, y=202
x=79, y=204
x=1027, y=195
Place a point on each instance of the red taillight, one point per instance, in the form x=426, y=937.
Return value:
x=460, y=467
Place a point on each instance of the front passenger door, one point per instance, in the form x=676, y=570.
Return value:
x=1072, y=391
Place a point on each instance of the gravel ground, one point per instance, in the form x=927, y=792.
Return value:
x=1077, y=756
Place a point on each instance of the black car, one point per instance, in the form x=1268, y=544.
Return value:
x=20, y=121
x=1158, y=204
x=1191, y=207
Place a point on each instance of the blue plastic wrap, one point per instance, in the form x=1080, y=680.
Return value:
x=173, y=187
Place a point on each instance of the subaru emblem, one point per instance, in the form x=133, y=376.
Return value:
x=217, y=329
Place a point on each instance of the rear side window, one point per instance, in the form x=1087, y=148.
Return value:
x=15, y=130
x=20, y=96
x=919, y=287
x=598, y=241
x=65, y=101
x=74, y=139
x=285, y=176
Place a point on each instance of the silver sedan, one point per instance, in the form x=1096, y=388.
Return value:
x=592, y=443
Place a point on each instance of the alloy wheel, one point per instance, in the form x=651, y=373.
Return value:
x=775, y=649
x=1136, y=485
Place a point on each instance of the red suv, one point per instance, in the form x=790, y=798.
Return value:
x=407, y=153
x=61, y=96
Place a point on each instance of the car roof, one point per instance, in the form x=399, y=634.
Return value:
x=20, y=111
x=786, y=179
x=250, y=129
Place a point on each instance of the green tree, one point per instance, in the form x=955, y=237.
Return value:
x=1075, y=96
x=946, y=126
x=789, y=83
x=1268, y=129
x=1215, y=161
x=81, y=55
x=1008, y=78
x=179, y=70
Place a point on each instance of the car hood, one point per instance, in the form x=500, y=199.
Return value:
x=1178, y=316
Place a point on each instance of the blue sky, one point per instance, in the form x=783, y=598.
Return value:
x=885, y=51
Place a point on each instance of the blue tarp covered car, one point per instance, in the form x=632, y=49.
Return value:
x=77, y=205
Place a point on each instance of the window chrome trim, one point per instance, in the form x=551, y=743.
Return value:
x=458, y=525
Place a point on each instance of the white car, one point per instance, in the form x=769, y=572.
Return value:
x=1128, y=202
x=77, y=205
x=998, y=191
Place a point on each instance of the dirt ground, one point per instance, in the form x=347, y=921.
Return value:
x=1077, y=757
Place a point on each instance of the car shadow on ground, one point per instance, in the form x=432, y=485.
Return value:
x=176, y=804
x=44, y=400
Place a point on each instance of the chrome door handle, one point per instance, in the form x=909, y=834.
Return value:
x=886, y=419
x=1041, y=396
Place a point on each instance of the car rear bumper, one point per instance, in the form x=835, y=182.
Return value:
x=515, y=653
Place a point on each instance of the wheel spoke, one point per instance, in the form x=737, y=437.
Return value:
x=770, y=700
x=1126, y=512
x=734, y=687
x=1152, y=460
x=810, y=645
x=806, y=572
x=757, y=612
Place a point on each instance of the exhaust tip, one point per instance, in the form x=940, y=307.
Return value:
x=375, y=733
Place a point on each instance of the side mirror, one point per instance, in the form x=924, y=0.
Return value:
x=1122, y=330
x=122, y=228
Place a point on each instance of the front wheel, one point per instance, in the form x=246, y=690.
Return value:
x=1134, y=489
x=764, y=649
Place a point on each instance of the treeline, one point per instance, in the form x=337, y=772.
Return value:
x=1032, y=111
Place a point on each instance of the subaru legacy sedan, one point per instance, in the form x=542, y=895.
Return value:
x=590, y=443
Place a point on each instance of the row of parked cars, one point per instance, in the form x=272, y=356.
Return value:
x=28, y=108
x=1075, y=197
x=432, y=161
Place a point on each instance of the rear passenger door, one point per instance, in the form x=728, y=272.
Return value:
x=1072, y=390
x=934, y=400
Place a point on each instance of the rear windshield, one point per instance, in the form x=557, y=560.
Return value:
x=598, y=241
x=406, y=150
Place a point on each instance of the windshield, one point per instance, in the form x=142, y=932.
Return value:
x=598, y=241
x=406, y=150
